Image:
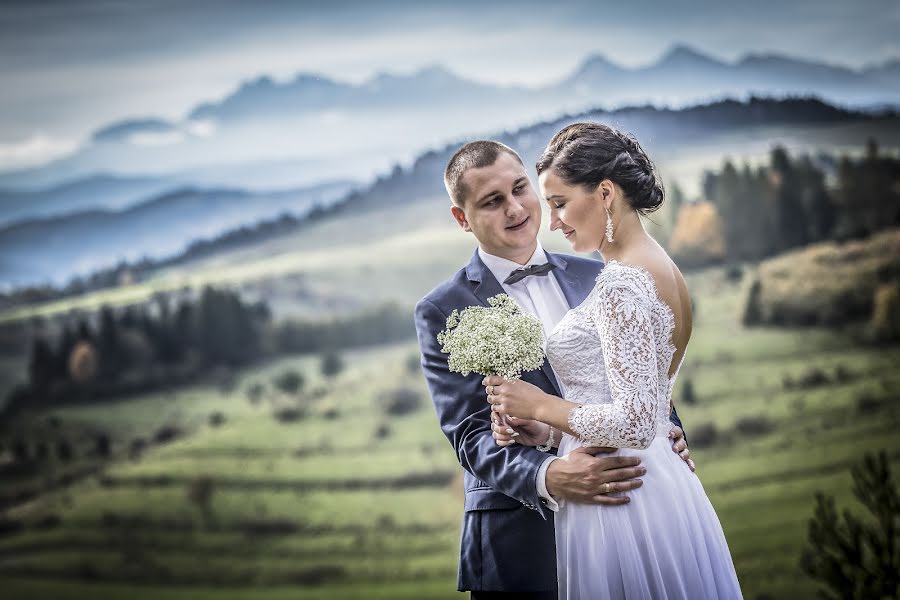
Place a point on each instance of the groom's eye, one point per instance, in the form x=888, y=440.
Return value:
x=518, y=189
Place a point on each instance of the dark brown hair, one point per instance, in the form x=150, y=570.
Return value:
x=587, y=153
x=474, y=155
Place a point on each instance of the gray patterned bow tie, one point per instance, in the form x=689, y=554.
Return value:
x=523, y=272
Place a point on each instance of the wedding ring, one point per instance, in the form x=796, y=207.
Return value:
x=606, y=488
x=490, y=390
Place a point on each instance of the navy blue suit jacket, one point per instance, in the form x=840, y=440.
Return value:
x=507, y=536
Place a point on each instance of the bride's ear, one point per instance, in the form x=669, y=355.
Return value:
x=606, y=190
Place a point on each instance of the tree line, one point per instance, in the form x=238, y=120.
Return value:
x=163, y=343
x=793, y=202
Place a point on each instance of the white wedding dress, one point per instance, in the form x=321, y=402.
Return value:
x=612, y=355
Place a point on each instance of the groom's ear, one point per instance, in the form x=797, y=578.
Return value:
x=460, y=217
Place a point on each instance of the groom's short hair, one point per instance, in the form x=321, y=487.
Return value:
x=474, y=155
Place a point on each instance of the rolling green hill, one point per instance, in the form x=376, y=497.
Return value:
x=352, y=502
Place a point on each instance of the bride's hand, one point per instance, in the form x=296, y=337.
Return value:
x=519, y=431
x=513, y=397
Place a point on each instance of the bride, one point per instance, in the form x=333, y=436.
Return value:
x=617, y=356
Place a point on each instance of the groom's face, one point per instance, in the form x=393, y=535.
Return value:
x=501, y=208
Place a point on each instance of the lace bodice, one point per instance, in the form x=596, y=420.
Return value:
x=612, y=354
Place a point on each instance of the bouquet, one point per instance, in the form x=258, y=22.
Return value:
x=495, y=340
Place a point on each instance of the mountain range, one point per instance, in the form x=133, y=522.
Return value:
x=54, y=249
x=328, y=129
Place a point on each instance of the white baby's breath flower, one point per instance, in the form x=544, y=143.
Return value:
x=496, y=340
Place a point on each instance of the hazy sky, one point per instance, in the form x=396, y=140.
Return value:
x=69, y=67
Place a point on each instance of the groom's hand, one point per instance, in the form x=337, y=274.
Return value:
x=586, y=478
x=680, y=447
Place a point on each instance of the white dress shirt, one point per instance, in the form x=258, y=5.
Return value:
x=542, y=297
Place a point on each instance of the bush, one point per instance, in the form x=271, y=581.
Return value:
x=136, y=448
x=64, y=451
x=703, y=435
x=166, y=434
x=20, y=450
x=383, y=431
x=331, y=364
x=289, y=415
x=842, y=374
x=758, y=425
x=102, y=445
x=687, y=393
x=255, y=393
x=857, y=557
x=402, y=401
x=413, y=364
x=216, y=419
x=200, y=493
x=886, y=313
x=867, y=404
x=289, y=382
x=734, y=273
x=811, y=378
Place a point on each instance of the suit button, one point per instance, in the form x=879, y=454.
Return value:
x=544, y=501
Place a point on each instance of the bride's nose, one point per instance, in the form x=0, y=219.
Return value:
x=555, y=223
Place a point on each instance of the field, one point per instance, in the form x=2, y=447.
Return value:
x=336, y=505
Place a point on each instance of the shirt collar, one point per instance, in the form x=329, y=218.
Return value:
x=500, y=267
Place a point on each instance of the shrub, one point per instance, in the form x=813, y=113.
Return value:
x=64, y=451
x=200, y=493
x=756, y=425
x=811, y=378
x=20, y=450
x=136, y=448
x=402, y=401
x=687, y=392
x=289, y=382
x=41, y=451
x=289, y=415
x=331, y=364
x=102, y=445
x=857, y=557
x=383, y=431
x=255, y=393
x=166, y=434
x=703, y=435
x=842, y=374
x=734, y=273
x=413, y=364
x=886, y=313
x=216, y=419
x=868, y=404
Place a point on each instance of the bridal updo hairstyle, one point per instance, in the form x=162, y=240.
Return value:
x=587, y=153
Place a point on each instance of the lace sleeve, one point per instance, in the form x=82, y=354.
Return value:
x=621, y=311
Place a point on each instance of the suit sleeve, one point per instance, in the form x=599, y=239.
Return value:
x=464, y=416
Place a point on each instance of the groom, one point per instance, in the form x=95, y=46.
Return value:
x=508, y=546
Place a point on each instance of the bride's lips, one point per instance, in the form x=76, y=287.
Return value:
x=519, y=226
x=569, y=233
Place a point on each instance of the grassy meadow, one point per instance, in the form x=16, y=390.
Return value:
x=350, y=502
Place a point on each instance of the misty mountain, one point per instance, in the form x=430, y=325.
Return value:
x=94, y=192
x=355, y=131
x=56, y=248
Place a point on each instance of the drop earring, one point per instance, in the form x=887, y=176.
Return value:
x=609, y=227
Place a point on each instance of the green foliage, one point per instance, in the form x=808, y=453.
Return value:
x=856, y=557
x=290, y=382
x=331, y=365
x=787, y=204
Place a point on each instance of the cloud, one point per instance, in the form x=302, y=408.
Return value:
x=36, y=150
